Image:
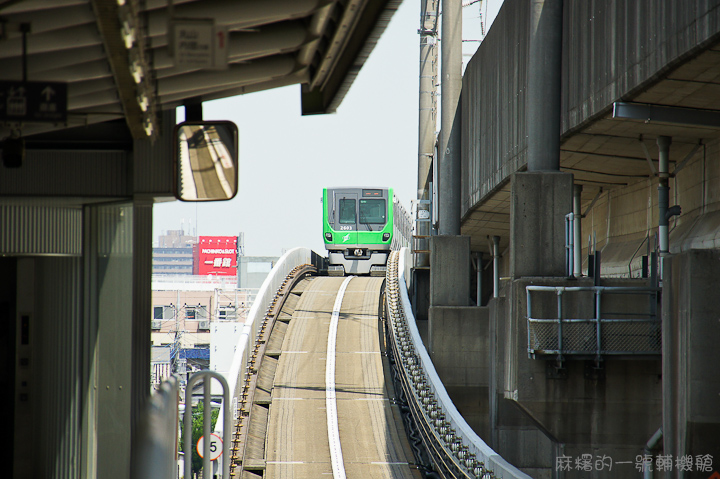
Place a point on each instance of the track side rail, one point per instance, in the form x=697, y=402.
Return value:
x=457, y=450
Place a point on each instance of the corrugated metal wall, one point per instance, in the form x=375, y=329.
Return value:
x=69, y=174
x=493, y=105
x=153, y=160
x=611, y=49
x=142, y=307
x=40, y=229
x=58, y=332
x=114, y=226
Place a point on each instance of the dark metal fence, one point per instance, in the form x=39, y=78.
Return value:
x=635, y=331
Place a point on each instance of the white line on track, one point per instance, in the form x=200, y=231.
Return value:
x=336, y=456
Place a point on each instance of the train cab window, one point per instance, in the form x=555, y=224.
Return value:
x=347, y=211
x=373, y=212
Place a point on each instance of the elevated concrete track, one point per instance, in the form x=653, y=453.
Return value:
x=291, y=431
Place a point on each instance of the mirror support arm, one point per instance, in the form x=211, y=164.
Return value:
x=193, y=109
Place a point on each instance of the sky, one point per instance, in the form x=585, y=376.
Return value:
x=286, y=159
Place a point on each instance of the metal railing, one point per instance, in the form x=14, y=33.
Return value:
x=226, y=421
x=157, y=446
x=457, y=451
x=618, y=333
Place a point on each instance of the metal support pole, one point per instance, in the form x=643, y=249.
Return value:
x=663, y=143
x=559, y=325
x=207, y=427
x=598, y=331
x=427, y=118
x=544, y=73
x=207, y=377
x=478, y=257
x=449, y=150
x=496, y=266
x=577, y=231
x=24, y=29
x=650, y=446
x=569, y=243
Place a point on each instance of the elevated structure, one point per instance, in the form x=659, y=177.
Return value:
x=584, y=337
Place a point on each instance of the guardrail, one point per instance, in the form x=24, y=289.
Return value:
x=223, y=419
x=632, y=335
x=455, y=447
x=157, y=446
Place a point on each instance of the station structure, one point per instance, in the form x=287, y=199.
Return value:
x=565, y=313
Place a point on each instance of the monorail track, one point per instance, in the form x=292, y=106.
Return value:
x=288, y=434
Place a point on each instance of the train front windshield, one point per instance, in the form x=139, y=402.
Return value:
x=347, y=212
x=373, y=212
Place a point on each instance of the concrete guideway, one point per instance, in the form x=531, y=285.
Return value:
x=369, y=425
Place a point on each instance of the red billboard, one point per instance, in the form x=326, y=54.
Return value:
x=217, y=255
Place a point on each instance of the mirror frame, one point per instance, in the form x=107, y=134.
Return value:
x=232, y=149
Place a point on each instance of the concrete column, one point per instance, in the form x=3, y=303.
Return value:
x=543, y=98
x=539, y=203
x=690, y=382
x=449, y=150
x=450, y=271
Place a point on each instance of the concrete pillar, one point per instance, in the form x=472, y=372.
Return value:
x=690, y=382
x=449, y=149
x=543, y=98
x=538, y=205
x=450, y=271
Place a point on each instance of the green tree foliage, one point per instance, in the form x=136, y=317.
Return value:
x=197, y=432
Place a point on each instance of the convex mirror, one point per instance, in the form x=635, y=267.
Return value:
x=206, y=160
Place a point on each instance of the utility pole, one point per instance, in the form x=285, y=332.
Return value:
x=450, y=140
x=427, y=115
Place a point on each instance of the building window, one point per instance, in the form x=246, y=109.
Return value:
x=227, y=313
x=162, y=312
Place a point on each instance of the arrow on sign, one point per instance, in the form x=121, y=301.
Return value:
x=48, y=92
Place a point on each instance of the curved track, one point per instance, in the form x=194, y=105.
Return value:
x=369, y=425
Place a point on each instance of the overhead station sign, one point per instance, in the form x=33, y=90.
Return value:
x=217, y=255
x=199, y=43
x=33, y=101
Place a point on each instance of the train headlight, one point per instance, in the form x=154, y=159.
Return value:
x=386, y=236
x=328, y=236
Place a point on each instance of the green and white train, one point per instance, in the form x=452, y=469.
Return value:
x=360, y=227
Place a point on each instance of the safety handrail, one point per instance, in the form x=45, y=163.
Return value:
x=157, y=439
x=207, y=377
x=626, y=342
